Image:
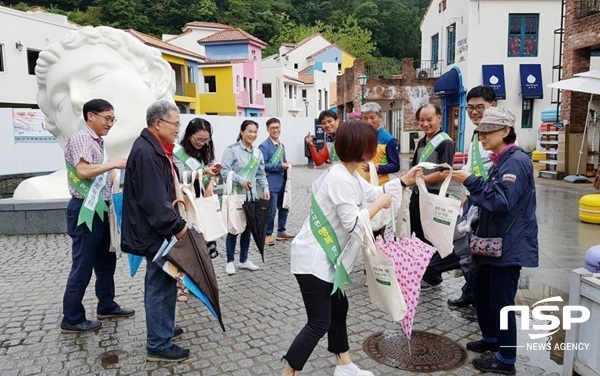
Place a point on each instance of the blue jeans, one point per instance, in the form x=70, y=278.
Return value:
x=90, y=252
x=276, y=202
x=499, y=282
x=244, y=245
x=160, y=297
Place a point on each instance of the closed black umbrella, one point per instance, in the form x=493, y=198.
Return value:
x=190, y=254
x=257, y=215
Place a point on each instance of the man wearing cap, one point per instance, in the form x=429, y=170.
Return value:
x=507, y=226
x=479, y=99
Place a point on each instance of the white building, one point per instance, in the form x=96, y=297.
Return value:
x=507, y=44
x=302, y=79
x=22, y=36
x=192, y=33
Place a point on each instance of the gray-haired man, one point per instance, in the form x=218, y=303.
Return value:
x=149, y=218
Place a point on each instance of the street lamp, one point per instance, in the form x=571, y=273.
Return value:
x=362, y=81
x=306, y=106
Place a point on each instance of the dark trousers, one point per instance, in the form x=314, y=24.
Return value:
x=230, y=242
x=160, y=298
x=326, y=314
x=437, y=265
x=494, y=288
x=276, y=207
x=90, y=252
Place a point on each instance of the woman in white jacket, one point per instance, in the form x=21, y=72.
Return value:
x=337, y=198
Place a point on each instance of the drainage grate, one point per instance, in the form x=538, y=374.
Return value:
x=428, y=352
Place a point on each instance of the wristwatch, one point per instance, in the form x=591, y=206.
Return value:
x=402, y=183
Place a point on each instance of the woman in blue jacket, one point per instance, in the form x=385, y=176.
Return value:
x=506, y=202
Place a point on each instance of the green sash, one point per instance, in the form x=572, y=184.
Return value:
x=325, y=235
x=476, y=166
x=249, y=171
x=191, y=163
x=276, y=157
x=332, y=154
x=92, y=195
x=432, y=145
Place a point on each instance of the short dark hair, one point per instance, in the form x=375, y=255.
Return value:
x=245, y=125
x=272, y=121
x=206, y=153
x=327, y=113
x=511, y=137
x=487, y=93
x=355, y=141
x=438, y=110
x=96, y=105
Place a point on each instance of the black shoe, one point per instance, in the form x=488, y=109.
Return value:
x=472, y=317
x=212, y=249
x=178, y=333
x=482, y=346
x=118, y=312
x=426, y=286
x=460, y=302
x=172, y=354
x=492, y=364
x=83, y=327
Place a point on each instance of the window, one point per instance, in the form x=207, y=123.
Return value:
x=527, y=114
x=290, y=89
x=266, y=88
x=251, y=91
x=523, y=34
x=451, y=42
x=339, y=68
x=179, y=84
x=295, y=65
x=435, y=46
x=1, y=58
x=210, y=84
x=237, y=83
x=303, y=93
x=32, y=56
x=191, y=74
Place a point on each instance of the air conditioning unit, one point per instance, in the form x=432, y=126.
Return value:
x=422, y=74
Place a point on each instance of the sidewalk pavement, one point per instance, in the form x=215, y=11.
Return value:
x=262, y=310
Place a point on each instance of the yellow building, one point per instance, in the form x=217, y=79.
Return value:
x=185, y=66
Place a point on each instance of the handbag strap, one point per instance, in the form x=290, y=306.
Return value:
x=428, y=166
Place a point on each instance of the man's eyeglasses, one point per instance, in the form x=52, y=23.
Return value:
x=170, y=122
x=201, y=140
x=107, y=119
x=480, y=107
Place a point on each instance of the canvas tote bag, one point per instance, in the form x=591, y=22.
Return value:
x=384, y=290
x=210, y=219
x=113, y=216
x=287, y=192
x=438, y=213
x=383, y=217
x=231, y=210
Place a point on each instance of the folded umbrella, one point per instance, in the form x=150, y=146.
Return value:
x=190, y=255
x=257, y=216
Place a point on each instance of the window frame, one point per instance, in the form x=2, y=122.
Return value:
x=435, y=53
x=213, y=80
x=30, y=67
x=267, y=90
x=527, y=114
x=2, y=65
x=523, y=35
x=451, y=41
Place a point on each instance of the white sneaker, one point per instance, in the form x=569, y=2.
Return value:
x=347, y=371
x=230, y=268
x=248, y=265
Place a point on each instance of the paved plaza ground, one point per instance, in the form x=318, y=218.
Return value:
x=262, y=310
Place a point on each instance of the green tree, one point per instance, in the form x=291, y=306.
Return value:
x=123, y=14
x=350, y=37
x=92, y=16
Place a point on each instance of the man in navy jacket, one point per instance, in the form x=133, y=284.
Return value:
x=276, y=167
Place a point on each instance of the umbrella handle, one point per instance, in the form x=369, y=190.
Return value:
x=180, y=201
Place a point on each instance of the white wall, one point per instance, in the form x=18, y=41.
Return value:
x=35, y=31
x=20, y=158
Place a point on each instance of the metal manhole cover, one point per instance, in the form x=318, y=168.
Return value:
x=430, y=352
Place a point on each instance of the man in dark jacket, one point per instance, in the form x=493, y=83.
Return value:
x=149, y=218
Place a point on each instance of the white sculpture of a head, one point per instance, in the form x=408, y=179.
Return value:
x=107, y=63
x=96, y=62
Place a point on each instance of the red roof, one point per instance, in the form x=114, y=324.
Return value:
x=233, y=61
x=292, y=78
x=208, y=25
x=320, y=51
x=178, y=36
x=155, y=42
x=231, y=35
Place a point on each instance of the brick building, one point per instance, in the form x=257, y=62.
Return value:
x=581, y=40
x=397, y=89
